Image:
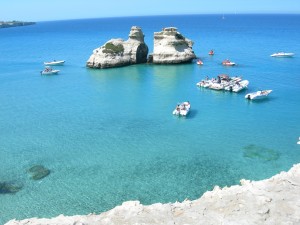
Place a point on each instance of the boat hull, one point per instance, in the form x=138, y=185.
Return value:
x=53, y=72
x=241, y=86
x=54, y=63
x=258, y=95
x=282, y=55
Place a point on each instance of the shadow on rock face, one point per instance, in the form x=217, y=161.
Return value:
x=38, y=172
x=260, y=152
x=9, y=188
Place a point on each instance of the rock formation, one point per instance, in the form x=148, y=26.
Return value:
x=268, y=202
x=171, y=47
x=118, y=52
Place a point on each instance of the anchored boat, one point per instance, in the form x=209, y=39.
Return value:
x=283, y=54
x=55, y=63
x=48, y=71
x=258, y=95
x=182, y=109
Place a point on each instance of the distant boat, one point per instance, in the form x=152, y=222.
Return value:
x=211, y=52
x=199, y=62
x=49, y=71
x=298, y=141
x=283, y=54
x=258, y=95
x=55, y=63
x=227, y=62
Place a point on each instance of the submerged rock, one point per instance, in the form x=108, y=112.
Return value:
x=259, y=152
x=171, y=47
x=117, y=52
x=38, y=172
x=9, y=188
x=271, y=201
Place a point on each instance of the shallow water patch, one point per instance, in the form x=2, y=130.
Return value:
x=9, y=188
x=259, y=152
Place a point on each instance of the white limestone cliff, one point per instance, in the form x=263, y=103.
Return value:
x=271, y=201
x=171, y=47
x=117, y=52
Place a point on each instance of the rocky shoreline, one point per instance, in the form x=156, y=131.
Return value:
x=14, y=24
x=271, y=201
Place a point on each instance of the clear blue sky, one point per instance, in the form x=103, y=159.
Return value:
x=44, y=10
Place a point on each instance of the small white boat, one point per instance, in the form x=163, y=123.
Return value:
x=199, y=62
x=55, y=63
x=48, y=71
x=204, y=83
x=227, y=62
x=298, y=141
x=258, y=94
x=182, y=109
x=240, y=86
x=283, y=54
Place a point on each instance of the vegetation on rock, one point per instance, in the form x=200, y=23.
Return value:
x=113, y=49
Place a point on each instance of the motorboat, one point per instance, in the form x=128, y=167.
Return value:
x=211, y=52
x=199, y=62
x=48, y=71
x=258, y=94
x=217, y=86
x=227, y=62
x=283, y=54
x=298, y=141
x=231, y=83
x=204, y=83
x=55, y=63
x=182, y=109
x=240, y=86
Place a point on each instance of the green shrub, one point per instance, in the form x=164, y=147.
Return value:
x=114, y=49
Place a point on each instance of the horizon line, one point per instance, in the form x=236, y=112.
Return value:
x=193, y=14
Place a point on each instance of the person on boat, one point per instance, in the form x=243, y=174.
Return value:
x=178, y=108
x=226, y=61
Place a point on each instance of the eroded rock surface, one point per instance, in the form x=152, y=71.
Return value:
x=272, y=201
x=117, y=52
x=171, y=47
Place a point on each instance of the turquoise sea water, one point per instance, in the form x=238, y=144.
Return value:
x=109, y=136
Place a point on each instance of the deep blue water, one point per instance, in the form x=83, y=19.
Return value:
x=109, y=136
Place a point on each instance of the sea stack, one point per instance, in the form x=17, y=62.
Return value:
x=117, y=52
x=171, y=47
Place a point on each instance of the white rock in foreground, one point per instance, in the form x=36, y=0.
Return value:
x=171, y=47
x=272, y=201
